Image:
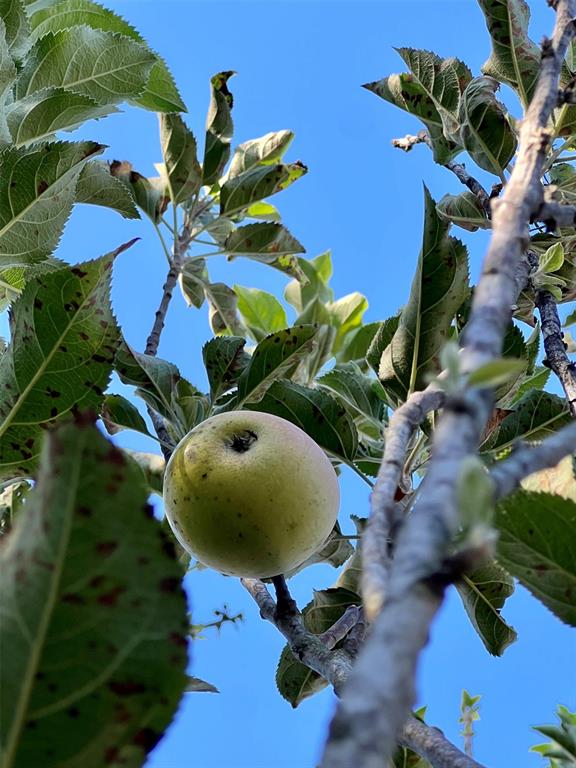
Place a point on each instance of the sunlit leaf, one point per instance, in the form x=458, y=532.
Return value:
x=97, y=186
x=267, y=149
x=256, y=184
x=261, y=311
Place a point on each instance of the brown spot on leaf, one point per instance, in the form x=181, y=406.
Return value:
x=110, y=598
x=106, y=548
x=126, y=687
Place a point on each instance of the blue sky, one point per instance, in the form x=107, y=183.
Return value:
x=300, y=65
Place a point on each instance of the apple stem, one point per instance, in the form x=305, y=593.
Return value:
x=285, y=604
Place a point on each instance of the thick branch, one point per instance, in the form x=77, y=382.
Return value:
x=374, y=707
x=525, y=460
x=375, y=542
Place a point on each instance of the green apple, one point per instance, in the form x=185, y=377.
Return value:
x=250, y=494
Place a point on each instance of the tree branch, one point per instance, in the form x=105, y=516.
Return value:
x=375, y=542
x=458, y=169
x=374, y=707
x=554, y=346
x=431, y=744
x=526, y=459
x=335, y=666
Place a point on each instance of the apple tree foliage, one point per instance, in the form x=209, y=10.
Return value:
x=88, y=575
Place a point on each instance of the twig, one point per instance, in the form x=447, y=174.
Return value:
x=335, y=666
x=526, y=459
x=431, y=744
x=458, y=169
x=374, y=707
x=160, y=317
x=375, y=545
x=556, y=215
x=351, y=617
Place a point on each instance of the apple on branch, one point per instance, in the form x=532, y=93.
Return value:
x=250, y=494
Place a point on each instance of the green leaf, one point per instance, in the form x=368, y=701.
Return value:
x=295, y=681
x=265, y=150
x=351, y=576
x=265, y=211
x=316, y=412
x=356, y=345
x=335, y=551
x=438, y=290
x=97, y=186
x=40, y=115
x=486, y=131
x=570, y=320
x=536, y=545
x=484, y=592
x=224, y=318
x=108, y=67
x=346, y=315
x=153, y=466
x=183, y=170
x=552, y=259
x=256, y=184
x=515, y=59
x=37, y=190
x=76, y=590
x=60, y=358
x=219, y=128
x=535, y=416
x=118, y=414
x=274, y=356
x=261, y=311
x=196, y=685
x=267, y=239
x=224, y=360
x=302, y=293
x=355, y=390
x=160, y=93
x=150, y=195
x=464, y=210
x=382, y=339
x=192, y=279
x=154, y=378
x=17, y=27
x=561, y=750
x=497, y=372
x=13, y=279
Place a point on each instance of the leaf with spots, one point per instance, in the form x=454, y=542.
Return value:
x=160, y=93
x=295, y=680
x=64, y=338
x=13, y=279
x=224, y=359
x=92, y=587
x=265, y=150
x=486, y=131
x=192, y=279
x=97, y=186
x=439, y=288
x=535, y=416
x=37, y=192
x=17, y=27
x=464, y=210
x=108, y=67
x=219, y=128
x=515, y=58
x=223, y=314
x=484, y=592
x=537, y=545
x=431, y=92
x=316, y=412
x=256, y=184
x=183, y=171
x=150, y=195
x=274, y=357
x=266, y=242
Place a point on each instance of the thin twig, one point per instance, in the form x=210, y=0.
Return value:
x=431, y=744
x=526, y=459
x=374, y=707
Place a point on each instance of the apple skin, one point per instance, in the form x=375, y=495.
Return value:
x=250, y=494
